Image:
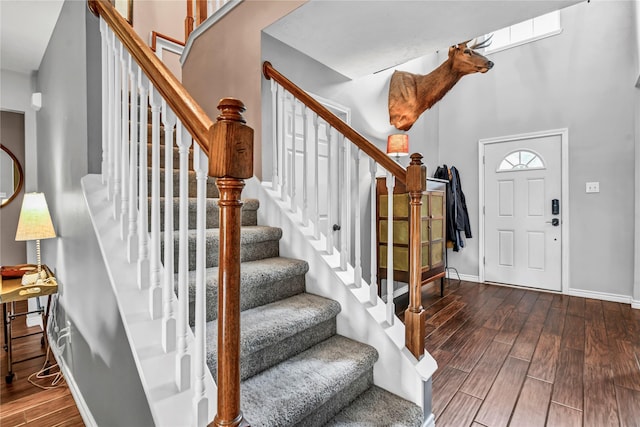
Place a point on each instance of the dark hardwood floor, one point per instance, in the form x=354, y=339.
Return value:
x=22, y=403
x=517, y=357
x=505, y=356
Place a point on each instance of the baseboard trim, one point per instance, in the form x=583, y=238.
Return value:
x=624, y=299
x=635, y=304
x=466, y=277
x=430, y=422
x=83, y=408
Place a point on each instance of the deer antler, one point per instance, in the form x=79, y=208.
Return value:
x=484, y=43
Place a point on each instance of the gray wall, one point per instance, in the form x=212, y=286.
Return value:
x=581, y=79
x=98, y=355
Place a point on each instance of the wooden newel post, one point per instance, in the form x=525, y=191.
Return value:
x=415, y=315
x=230, y=161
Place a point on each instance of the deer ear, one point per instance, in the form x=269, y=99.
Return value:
x=452, y=49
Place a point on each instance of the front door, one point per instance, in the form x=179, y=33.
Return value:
x=522, y=222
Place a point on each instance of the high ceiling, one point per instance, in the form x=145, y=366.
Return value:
x=359, y=37
x=25, y=30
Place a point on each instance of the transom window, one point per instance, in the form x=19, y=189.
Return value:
x=521, y=160
x=525, y=32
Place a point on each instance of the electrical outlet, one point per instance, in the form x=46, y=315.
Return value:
x=593, y=187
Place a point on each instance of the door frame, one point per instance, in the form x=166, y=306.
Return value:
x=563, y=133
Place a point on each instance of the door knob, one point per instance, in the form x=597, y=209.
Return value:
x=555, y=222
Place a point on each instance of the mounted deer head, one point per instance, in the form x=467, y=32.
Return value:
x=410, y=95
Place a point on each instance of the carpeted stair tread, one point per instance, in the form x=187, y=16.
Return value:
x=274, y=332
x=256, y=242
x=291, y=392
x=378, y=407
x=261, y=282
x=248, y=212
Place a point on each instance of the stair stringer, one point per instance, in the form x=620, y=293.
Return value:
x=396, y=370
x=156, y=368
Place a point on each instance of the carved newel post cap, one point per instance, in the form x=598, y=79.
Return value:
x=231, y=109
x=231, y=142
x=416, y=159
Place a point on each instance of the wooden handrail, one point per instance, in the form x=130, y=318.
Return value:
x=334, y=121
x=183, y=105
x=156, y=35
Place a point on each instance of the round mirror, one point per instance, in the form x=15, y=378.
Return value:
x=11, y=177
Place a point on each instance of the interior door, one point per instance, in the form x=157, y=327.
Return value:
x=522, y=221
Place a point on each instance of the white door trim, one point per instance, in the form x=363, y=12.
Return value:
x=564, y=208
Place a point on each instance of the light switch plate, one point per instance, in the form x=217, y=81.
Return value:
x=593, y=187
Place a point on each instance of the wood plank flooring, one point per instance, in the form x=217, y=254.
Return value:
x=22, y=403
x=506, y=357
x=517, y=357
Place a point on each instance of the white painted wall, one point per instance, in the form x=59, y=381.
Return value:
x=98, y=354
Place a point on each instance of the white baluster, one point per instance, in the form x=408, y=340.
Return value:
x=373, y=288
x=111, y=112
x=201, y=166
x=274, y=134
x=316, y=188
x=293, y=177
x=155, y=293
x=329, y=192
x=168, y=317
x=282, y=145
x=143, y=193
x=124, y=170
x=183, y=359
x=105, y=100
x=390, y=304
x=305, y=202
x=132, y=237
x=357, y=271
x=117, y=122
x=344, y=206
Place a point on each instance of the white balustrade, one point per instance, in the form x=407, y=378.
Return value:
x=357, y=270
x=390, y=305
x=124, y=152
x=128, y=95
x=373, y=287
x=329, y=230
x=201, y=165
x=274, y=137
x=104, y=36
x=168, y=292
x=144, y=266
x=344, y=206
x=305, y=135
x=282, y=145
x=183, y=358
x=155, y=293
x=132, y=235
x=117, y=122
x=316, y=187
x=293, y=176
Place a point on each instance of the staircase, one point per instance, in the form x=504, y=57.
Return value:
x=295, y=369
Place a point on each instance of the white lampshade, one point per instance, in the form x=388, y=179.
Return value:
x=35, y=221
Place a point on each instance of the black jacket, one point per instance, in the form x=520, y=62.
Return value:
x=457, y=213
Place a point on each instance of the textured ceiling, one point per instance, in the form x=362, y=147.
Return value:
x=360, y=37
x=25, y=30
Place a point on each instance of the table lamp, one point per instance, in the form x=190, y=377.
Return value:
x=34, y=224
x=398, y=144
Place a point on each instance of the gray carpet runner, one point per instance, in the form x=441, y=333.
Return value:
x=295, y=369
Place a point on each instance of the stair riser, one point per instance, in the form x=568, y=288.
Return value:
x=252, y=295
x=340, y=400
x=212, y=189
x=248, y=216
x=176, y=157
x=257, y=362
x=248, y=252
